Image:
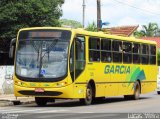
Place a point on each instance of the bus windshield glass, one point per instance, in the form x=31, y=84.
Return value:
x=42, y=54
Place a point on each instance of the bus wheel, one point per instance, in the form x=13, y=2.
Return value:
x=89, y=96
x=158, y=92
x=127, y=97
x=99, y=99
x=136, y=94
x=137, y=89
x=40, y=101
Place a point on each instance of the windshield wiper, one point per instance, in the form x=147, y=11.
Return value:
x=37, y=47
x=54, y=42
x=41, y=57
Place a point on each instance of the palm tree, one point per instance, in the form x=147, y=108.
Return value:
x=150, y=30
x=157, y=32
x=92, y=27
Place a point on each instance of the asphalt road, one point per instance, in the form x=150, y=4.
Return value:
x=112, y=107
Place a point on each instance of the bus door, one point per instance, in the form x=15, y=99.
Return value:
x=79, y=56
x=77, y=64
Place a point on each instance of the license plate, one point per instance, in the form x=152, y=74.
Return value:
x=39, y=90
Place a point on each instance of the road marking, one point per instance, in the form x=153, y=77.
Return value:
x=53, y=111
x=22, y=110
x=8, y=110
x=89, y=116
x=64, y=115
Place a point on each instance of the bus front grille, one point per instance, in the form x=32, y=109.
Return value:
x=45, y=93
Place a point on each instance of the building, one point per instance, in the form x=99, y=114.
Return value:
x=156, y=39
x=121, y=30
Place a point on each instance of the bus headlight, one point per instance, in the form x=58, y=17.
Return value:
x=61, y=84
x=19, y=83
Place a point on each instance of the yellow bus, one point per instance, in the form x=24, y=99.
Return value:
x=63, y=63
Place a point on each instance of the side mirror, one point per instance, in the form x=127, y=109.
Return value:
x=12, y=48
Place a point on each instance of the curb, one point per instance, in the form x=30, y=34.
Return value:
x=4, y=103
x=29, y=102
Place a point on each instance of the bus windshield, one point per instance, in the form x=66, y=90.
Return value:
x=42, y=55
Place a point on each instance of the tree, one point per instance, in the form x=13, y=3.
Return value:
x=150, y=30
x=70, y=23
x=157, y=34
x=138, y=34
x=16, y=14
x=92, y=27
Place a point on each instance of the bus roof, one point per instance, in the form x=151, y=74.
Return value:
x=81, y=31
x=102, y=34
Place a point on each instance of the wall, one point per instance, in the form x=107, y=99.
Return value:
x=6, y=82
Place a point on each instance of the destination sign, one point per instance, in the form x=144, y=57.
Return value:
x=44, y=34
x=48, y=34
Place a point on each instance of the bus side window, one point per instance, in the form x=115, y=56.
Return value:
x=106, y=50
x=94, y=49
x=127, y=52
x=136, y=53
x=144, y=54
x=117, y=50
x=152, y=54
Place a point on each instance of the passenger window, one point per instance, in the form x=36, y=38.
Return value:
x=152, y=49
x=106, y=50
x=136, y=53
x=127, y=52
x=152, y=54
x=145, y=54
x=136, y=48
x=117, y=51
x=94, y=49
x=106, y=44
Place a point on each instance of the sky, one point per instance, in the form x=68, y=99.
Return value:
x=116, y=12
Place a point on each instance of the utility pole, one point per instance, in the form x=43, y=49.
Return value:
x=99, y=15
x=83, y=21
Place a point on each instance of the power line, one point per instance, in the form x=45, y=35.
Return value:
x=144, y=10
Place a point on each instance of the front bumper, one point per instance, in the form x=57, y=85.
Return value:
x=48, y=92
x=67, y=92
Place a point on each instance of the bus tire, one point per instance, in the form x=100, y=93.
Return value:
x=99, y=99
x=127, y=97
x=40, y=101
x=158, y=92
x=89, y=95
x=136, y=94
x=137, y=90
x=51, y=100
